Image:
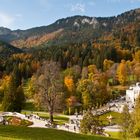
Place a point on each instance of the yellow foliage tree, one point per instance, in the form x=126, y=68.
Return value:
x=71, y=101
x=92, y=69
x=68, y=80
x=107, y=64
x=122, y=73
x=5, y=82
x=137, y=56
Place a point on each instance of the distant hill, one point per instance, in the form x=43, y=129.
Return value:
x=79, y=29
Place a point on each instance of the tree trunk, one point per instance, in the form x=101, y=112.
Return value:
x=69, y=110
x=51, y=116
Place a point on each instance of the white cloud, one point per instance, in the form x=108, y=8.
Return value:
x=9, y=21
x=78, y=7
x=6, y=20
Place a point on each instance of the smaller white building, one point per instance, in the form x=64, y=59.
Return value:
x=131, y=94
x=1, y=119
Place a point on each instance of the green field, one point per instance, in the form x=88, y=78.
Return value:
x=115, y=118
x=25, y=133
x=58, y=118
x=114, y=134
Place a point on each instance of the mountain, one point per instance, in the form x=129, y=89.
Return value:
x=4, y=31
x=6, y=50
x=77, y=29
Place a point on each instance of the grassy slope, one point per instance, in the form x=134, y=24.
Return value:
x=24, y=133
x=114, y=134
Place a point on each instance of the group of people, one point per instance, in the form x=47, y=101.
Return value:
x=73, y=127
x=31, y=116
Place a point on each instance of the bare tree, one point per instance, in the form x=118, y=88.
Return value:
x=48, y=84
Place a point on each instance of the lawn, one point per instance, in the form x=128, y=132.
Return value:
x=58, y=118
x=114, y=134
x=29, y=108
x=5, y=138
x=115, y=118
x=24, y=133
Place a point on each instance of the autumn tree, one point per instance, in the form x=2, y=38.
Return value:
x=92, y=69
x=30, y=89
x=48, y=85
x=71, y=102
x=101, y=89
x=107, y=64
x=69, y=83
x=122, y=72
x=137, y=56
x=85, y=87
x=94, y=89
x=4, y=83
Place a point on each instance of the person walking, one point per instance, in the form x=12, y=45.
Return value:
x=74, y=128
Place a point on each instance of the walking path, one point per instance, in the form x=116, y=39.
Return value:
x=72, y=126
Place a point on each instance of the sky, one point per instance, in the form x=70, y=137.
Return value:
x=24, y=14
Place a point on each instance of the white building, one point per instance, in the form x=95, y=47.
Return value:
x=1, y=119
x=131, y=94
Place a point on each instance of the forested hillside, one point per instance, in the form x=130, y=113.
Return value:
x=81, y=40
x=6, y=50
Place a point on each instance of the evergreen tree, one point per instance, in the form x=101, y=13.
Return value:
x=14, y=96
x=136, y=116
x=19, y=99
x=17, y=76
x=9, y=96
x=126, y=124
x=90, y=124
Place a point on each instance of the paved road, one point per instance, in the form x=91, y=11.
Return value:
x=114, y=128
